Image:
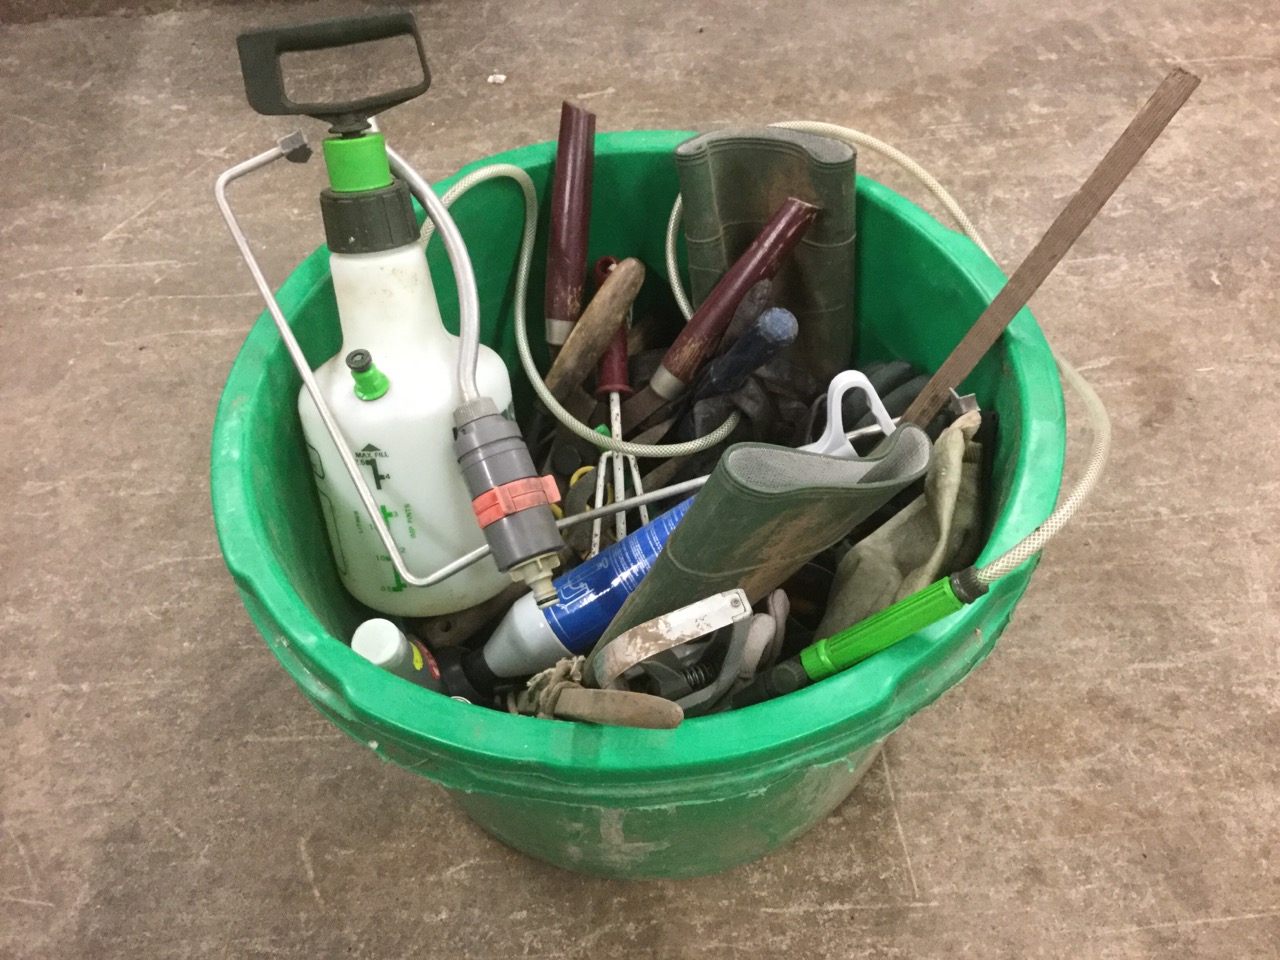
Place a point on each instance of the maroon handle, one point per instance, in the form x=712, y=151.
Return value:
x=761, y=260
x=613, y=376
x=570, y=215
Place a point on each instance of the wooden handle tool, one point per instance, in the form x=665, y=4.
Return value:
x=570, y=215
x=595, y=329
x=702, y=333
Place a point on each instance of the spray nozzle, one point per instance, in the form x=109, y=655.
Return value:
x=264, y=85
x=370, y=382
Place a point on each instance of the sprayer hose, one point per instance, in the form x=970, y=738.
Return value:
x=464, y=276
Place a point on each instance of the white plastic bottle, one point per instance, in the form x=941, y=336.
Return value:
x=403, y=440
x=383, y=644
x=402, y=437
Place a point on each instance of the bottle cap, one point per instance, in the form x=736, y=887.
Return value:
x=370, y=382
x=381, y=643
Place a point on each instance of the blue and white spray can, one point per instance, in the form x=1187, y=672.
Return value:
x=529, y=640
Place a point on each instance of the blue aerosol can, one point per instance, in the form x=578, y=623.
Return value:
x=530, y=639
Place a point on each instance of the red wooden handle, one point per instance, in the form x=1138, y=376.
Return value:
x=613, y=376
x=570, y=214
x=702, y=333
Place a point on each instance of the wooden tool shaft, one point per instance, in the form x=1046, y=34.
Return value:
x=618, y=708
x=613, y=375
x=700, y=336
x=605, y=315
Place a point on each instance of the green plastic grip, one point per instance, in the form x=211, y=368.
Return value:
x=844, y=649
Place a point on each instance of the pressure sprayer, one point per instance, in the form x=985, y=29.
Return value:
x=404, y=405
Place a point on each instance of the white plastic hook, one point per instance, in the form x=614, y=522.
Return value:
x=833, y=441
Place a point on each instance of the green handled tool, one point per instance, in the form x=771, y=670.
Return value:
x=858, y=642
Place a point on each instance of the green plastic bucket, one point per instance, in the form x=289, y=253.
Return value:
x=718, y=791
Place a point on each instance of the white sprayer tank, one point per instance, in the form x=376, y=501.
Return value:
x=403, y=441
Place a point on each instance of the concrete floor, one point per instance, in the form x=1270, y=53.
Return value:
x=1105, y=786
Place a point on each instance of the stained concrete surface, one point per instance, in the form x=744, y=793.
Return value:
x=1105, y=786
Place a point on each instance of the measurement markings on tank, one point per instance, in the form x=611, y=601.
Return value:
x=368, y=456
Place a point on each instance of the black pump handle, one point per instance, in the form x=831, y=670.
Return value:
x=260, y=52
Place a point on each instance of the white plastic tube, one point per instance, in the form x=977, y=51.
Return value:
x=463, y=274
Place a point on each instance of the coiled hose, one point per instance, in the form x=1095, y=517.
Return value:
x=1096, y=412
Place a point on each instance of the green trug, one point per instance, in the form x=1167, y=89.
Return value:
x=371, y=383
x=716, y=791
x=357, y=163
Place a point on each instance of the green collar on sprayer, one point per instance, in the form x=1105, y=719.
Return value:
x=357, y=164
x=365, y=209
